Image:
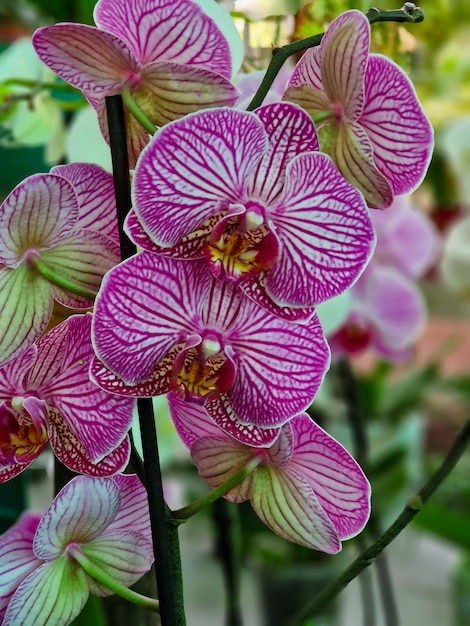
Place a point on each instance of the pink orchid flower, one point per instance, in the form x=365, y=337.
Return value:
x=105, y=519
x=46, y=397
x=307, y=487
x=388, y=312
x=160, y=325
x=250, y=193
x=171, y=53
x=369, y=117
x=66, y=221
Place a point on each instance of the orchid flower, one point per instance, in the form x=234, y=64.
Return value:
x=58, y=233
x=307, y=488
x=369, y=117
x=43, y=562
x=160, y=325
x=171, y=54
x=250, y=193
x=387, y=310
x=46, y=397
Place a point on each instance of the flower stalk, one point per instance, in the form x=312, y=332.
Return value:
x=133, y=108
x=58, y=280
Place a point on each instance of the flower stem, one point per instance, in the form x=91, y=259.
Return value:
x=135, y=111
x=164, y=533
x=190, y=510
x=408, y=13
x=60, y=281
x=411, y=509
x=108, y=581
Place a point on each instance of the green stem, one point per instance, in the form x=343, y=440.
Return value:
x=411, y=509
x=188, y=511
x=108, y=581
x=408, y=13
x=60, y=281
x=135, y=111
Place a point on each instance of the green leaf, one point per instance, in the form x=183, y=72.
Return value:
x=93, y=613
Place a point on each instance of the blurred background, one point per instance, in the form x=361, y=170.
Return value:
x=411, y=390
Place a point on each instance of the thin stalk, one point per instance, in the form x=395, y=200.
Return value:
x=409, y=512
x=135, y=111
x=60, y=281
x=408, y=13
x=164, y=536
x=98, y=574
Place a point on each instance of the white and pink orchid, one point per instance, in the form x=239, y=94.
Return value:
x=46, y=396
x=160, y=325
x=105, y=519
x=307, y=488
x=251, y=194
x=176, y=56
x=66, y=222
x=369, y=118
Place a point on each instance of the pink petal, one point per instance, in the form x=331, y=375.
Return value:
x=399, y=131
x=290, y=131
x=26, y=305
x=280, y=453
x=161, y=297
x=218, y=459
x=280, y=364
x=191, y=420
x=133, y=513
x=286, y=503
x=169, y=91
x=95, y=194
x=194, y=168
x=189, y=248
x=17, y=559
x=344, y=52
x=36, y=215
x=255, y=289
x=337, y=480
x=91, y=60
x=71, y=453
x=80, y=513
x=222, y=413
x=157, y=384
x=167, y=30
x=13, y=375
x=325, y=230
x=308, y=71
x=84, y=407
x=310, y=98
x=55, y=593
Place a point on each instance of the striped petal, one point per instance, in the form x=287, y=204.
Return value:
x=351, y=150
x=84, y=407
x=82, y=258
x=194, y=168
x=17, y=559
x=325, y=231
x=169, y=91
x=95, y=194
x=133, y=513
x=26, y=304
x=81, y=511
x=311, y=99
x=13, y=376
x=286, y=503
x=344, y=52
x=280, y=365
x=218, y=459
x=290, y=132
x=397, y=127
x=71, y=453
x=37, y=214
x=55, y=593
x=336, y=479
x=87, y=58
x=191, y=420
x=146, y=305
x=172, y=30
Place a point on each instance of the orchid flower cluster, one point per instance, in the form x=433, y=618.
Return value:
x=244, y=221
